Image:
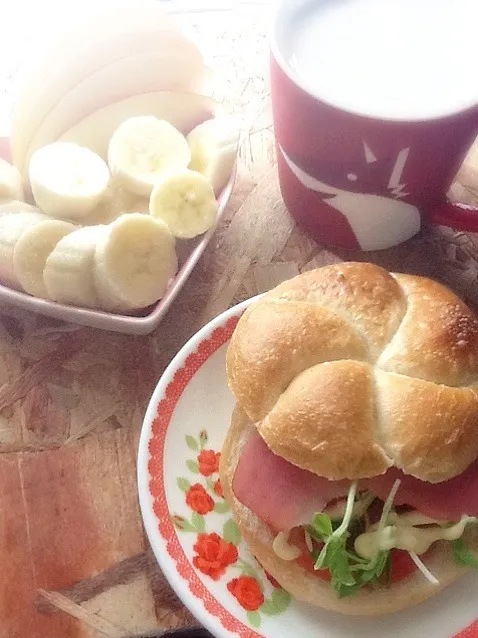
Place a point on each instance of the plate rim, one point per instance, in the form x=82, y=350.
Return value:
x=222, y=623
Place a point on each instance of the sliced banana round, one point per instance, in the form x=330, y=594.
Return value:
x=185, y=201
x=16, y=206
x=116, y=201
x=32, y=250
x=213, y=146
x=134, y=262
x=143, y=149
x=11, y=186
x=12, y=228
x=67, y=180
x=68, y=274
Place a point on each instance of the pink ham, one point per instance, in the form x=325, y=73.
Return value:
x=444, y=501
x=284, y=496
x=279, y=493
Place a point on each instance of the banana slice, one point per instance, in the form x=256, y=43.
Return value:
x=142, y=149
x=134, y=262
x=11, y=186
x=213, y=146
x=32, y=250
x=67, y=180
x=185, y=202
x=16, y=206
x=117, y=200
x=68, y=274
x=12, y=228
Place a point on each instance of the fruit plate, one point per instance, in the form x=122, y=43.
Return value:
x=142, y=323
x=196, y=542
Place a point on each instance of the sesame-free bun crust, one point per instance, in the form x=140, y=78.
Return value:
x=348, y=370
x=312, y=589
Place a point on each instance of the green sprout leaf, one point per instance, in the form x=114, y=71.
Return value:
x=463, y=555
x=348, y=570
x=322, y=525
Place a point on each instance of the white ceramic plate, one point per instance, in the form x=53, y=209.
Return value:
x=198, y=545
x=188, y=253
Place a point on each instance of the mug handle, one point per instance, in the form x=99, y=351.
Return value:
x=457, y=216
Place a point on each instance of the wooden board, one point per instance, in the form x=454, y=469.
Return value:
x=75, y=563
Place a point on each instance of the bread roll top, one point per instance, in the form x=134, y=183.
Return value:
x=349, y=369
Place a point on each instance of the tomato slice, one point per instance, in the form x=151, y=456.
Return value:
x=402, y=565
x=305, y=560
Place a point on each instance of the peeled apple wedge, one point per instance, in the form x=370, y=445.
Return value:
x=11, y=187
x=185, y=202
x=12, y=228
x=32, y=250
x=181, y=70
x=213, y=146
x=69, y=270
x=81, y=41
x=183, y=110
x=67, y=180
x=143, y=149
x=134, y=262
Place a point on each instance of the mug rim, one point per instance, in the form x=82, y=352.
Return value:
x=288, y=70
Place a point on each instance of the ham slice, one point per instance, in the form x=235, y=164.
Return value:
x=279, y=493
x=448, y=501
x=285, y=496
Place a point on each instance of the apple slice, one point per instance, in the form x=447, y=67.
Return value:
x=132, y=76
x=77, y=47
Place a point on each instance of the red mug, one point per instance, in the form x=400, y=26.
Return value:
x=357, y=180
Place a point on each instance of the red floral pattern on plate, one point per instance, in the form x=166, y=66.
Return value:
x=208, y=461
x=247, y=591
x=166, y=527
x=218, y=488
x=243, y=587
x=199, y=500
x=213, y=555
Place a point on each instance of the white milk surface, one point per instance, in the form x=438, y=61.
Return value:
x=392, y=58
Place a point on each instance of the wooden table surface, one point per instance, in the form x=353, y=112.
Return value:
x=75, y=561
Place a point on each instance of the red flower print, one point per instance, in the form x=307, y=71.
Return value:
x=214, y=554
x=199, y=500
x=247, y=592
x=208, y=462
x=218, y=488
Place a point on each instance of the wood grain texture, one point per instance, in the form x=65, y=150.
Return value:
x=75, y=562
